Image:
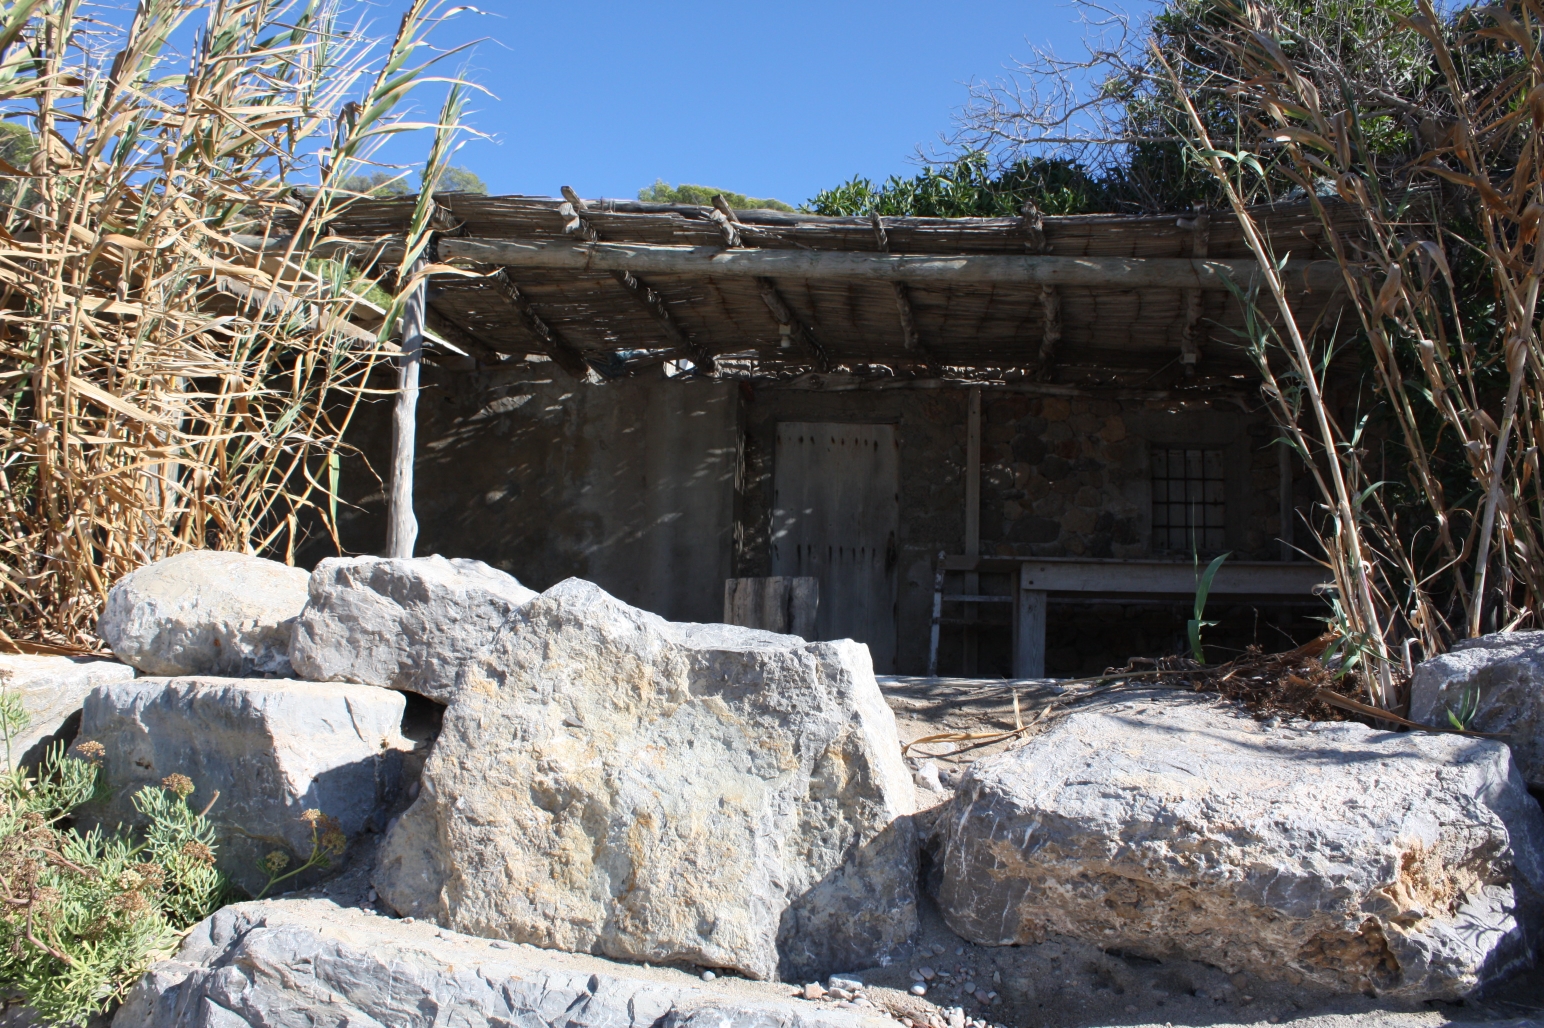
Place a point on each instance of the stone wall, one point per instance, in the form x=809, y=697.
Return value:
x=1060, y=477
x=658, y=489
x=1071, y=477
x=629, y=484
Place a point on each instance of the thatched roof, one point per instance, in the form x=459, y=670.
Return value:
x=1087, y=300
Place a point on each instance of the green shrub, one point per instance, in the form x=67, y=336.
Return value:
x=970, y=187
x=83, y=915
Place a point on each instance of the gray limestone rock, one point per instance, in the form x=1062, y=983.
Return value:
x=294, y=963
x=205, y=612
x=401, y=623
x=1411, y=864
x=52, y=690
x=1500, y=678
x=272, y=748
x=610, y=782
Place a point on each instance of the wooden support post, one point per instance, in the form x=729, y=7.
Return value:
x=727, y=220
x=1288, y=510
x=401, y=524
x=1050, y=298
x=972, y=516
x=555, y=346
x=1034, y=227
x=654, y=304
x=973, y=475
x=1029, y=633
x=881, y=237
x=573, y=221
x=784, y=316
x=1190, y=339
x=938, y=615
x=903, y=307
x=911, y=338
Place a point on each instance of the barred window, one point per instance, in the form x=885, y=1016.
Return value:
x=1188, y=508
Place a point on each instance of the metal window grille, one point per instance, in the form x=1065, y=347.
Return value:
x=1188, y=509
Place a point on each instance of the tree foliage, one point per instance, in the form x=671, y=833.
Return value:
x=377, y=184
x=1107, y=134
x=968, y=187
x=702, y=196
x=456, y=179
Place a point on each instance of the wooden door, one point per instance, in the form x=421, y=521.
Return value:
x=836, y=511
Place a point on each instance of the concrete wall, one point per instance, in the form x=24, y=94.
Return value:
x=629, y=484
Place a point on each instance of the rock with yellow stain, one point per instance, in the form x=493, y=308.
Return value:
x=405, y=623
x=612, y=783
x=1411, y=864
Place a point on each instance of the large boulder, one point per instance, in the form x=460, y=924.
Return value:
x=271, y=748
x=610, y=782
x=51, y=690
x=1496, y=684
x=401, y=623
x=309, y=962
x=205, y=612
x=1409, y=864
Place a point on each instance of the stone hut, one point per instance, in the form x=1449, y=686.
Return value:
x=1001, y=445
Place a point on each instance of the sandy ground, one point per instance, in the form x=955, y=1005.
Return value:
x=1061, y=983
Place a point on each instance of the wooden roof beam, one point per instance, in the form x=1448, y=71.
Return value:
x=790, y=323
x=908, y=316
x=726, y=219
x=648, y=259
x=654, y=304
x=646, y=297
x=912, y=338
x=564, y=353
x=574, y=223
x=1033, y=224
x=459, y=337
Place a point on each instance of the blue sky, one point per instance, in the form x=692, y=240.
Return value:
x=766, y=99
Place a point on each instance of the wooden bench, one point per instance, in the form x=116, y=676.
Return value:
x=1042, y=580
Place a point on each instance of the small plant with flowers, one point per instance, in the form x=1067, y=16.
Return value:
x=83, y=915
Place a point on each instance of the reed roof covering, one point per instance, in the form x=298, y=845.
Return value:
x=615, y=285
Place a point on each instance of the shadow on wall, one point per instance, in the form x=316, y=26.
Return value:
x=629, y=484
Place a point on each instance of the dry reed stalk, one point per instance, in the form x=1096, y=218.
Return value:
x=167, y=386
x=1428, y=127
x=1444, y=284
x=1353, y=575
